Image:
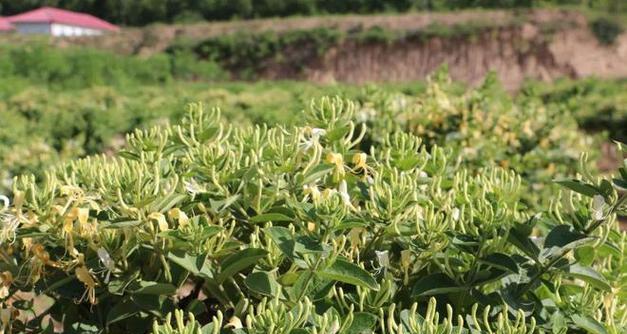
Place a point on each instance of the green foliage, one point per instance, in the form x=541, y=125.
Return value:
x=299, y=229
x=484, y=126
x=606, y=30
x=78, y=67
x=597, y=105
x=247, y=52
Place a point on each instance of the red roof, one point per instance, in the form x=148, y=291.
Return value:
x=5, y=25
x=55, y=15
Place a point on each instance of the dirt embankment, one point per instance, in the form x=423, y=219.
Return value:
x=515, y=54
x=539, y=44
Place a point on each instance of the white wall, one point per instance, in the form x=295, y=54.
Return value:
x=55, y=29
x=66, y=30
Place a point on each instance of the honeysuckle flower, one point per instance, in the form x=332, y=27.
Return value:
x=423, y=174
x=192, y=187
x=5, y=202
x=234, y=323
x=313, y=191
x=383, y=258
x=179, y=216
x=106, y=261
x=598, y=207
x=6, y=279
x=365, y=114
x=160, y=219
x=83, y=274
x=455, y=214
x=359, y=160
x=355, y=237
x=343, y=191
x=335, y=327
x=314, y=138
x=105, y=258
x=8, y=227
x=338, y=160
x=399, y=103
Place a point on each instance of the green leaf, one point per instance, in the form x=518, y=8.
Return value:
x=580, y=187
x=436, y=284
x=240, y=261
x=273, y=217
x=564, y=237
x=344, y=271
x=167, y=202
x=122, y=310
x=501, y=261
x=362, y=323
x=283, y=238
x=155, y=288
x=261, y=282
x=318, y=172
x=310, y=285
x=197, y=265
x=589, y=324
x=589, y=276
x=522, y=241
x=124, y=222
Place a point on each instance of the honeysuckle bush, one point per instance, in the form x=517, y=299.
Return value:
x=486, y=126
x=259, y=229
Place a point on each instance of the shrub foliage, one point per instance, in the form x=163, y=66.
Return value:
x=259, y=229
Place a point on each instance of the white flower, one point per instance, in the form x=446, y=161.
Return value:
x=314, y=138
x=455, y=214
x=313, y=191
x=598, y=206
x=343, y=191
x=316, y=133
x=193, y=187
x=5, y=201
x=399, y=103
x=335, y=326
x=383, y=258
x=8, y=227
x=105, y=258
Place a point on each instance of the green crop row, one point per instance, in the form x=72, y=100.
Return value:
x=327, y=226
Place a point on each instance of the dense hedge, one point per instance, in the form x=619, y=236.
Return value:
x=284, y=230
x=149, y=11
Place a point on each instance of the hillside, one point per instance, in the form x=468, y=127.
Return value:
x=536, y=44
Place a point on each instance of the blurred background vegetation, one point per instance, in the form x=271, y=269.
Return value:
x=142, y=12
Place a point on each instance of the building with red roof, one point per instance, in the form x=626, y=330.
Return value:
x=5, y=25
x=59, y=22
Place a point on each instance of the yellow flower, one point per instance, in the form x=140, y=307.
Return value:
x=6, y=279
x=359, y=159
x=180, y=216
x=338, y=161
x=355, y=237
x=312, y=190
x=160, y=218
x=83, y=275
